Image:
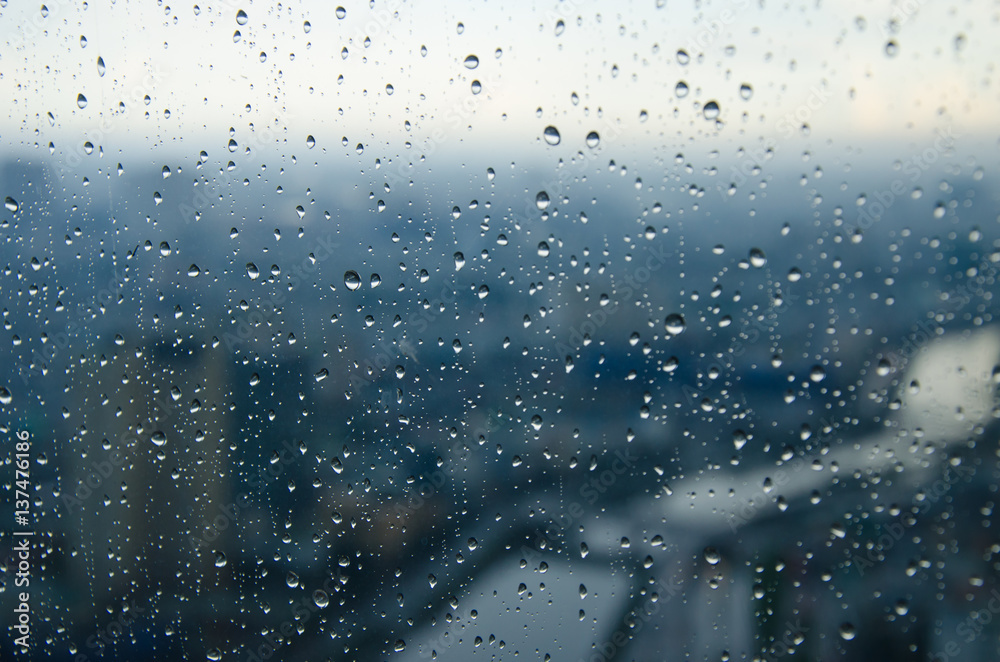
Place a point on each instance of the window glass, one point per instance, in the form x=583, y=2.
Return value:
x=546, y=331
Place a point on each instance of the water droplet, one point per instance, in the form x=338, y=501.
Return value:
x=838, y=530
x=593, y=139
x=307, y=27
x=471, y=62
x=100, y=66
x=5, y=396
x=675, y=324
x=891, y=48
x=712, y=556
x=241, y=17
x=214, y=655
x=683, y=57
x=817, y=374
x=757, y=257
x=220, y=560
x=681, y=89
x=543, y=249
x=321, y=599
x=232, y=145
x=310, y=142
x=847, y=631
x=459, y=261
x=341, y=13
x=551, y=135
x=739, y=439
x=194, y=271
x=711, y=110
x=292, y=580
x=252, y=271
x=484, y=291
x=164, y=249
x=746, y=92
x=542, y=200
x=158, y=438
x=81, y=101
x=374, y=281
x=352, y=280
x=560, y=27
x=10, y=204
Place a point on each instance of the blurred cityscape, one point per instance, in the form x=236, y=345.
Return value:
x=475, y=421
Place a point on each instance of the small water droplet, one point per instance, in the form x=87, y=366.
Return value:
x=542, y=200
x=847, y=631
x=100, y=66
x=681, y=89
x=220, y=560
x=292, y=580
x=459, y=261
x=712, y=556
x=746, y=92
x=194, y=271
x=341, y=13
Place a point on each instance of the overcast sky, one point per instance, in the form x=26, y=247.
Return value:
x=828, y=62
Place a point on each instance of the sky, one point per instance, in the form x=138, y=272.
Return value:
x=611, y=68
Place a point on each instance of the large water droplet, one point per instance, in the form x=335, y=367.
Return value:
x=675, y=324
x=551, y=135
x=711, y=110
x=81, y=101
x=352, y=280
x=471, y=62
x=158, y=438
x=681, y=89
x=100, y=66
x=542, y=200
x=321, y=599
x=252, y=271
x=757, y=257
x=459, y=261
x=593, y=139
x=241, y=17
x=847, y=631
x=10, y=204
